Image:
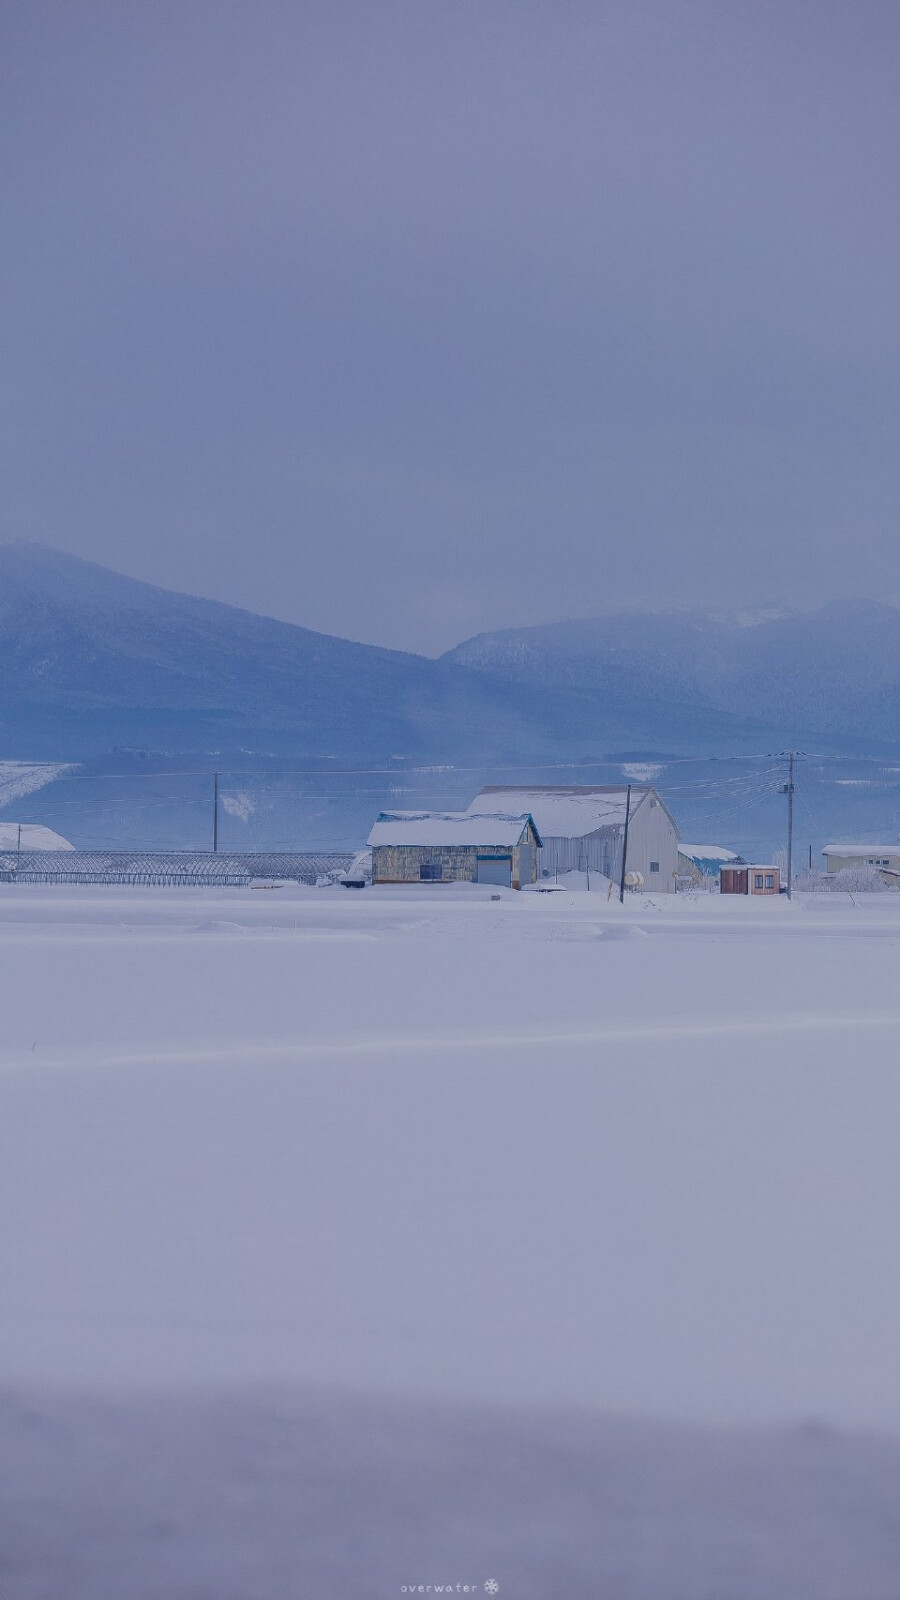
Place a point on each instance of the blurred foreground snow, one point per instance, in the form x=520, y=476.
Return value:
x=354, y=1241
x=277, y=1496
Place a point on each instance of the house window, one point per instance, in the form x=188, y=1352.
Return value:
x=758, y=880
x=430, y=872
x=770, y=880
x=654, y=866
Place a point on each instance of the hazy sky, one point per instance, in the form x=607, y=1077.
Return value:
x=409, y=318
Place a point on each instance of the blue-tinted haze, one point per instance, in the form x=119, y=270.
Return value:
x=408, y=320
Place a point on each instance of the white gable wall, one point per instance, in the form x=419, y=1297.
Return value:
x=652, y=837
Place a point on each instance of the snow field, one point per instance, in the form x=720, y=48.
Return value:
x=440, y=1150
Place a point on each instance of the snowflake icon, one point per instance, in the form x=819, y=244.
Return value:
x=492, y=1586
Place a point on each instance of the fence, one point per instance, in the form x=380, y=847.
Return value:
x=169, y=868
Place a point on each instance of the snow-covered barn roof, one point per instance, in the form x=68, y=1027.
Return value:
x=567, y=811
x=705, y=852
x=492, y=830
x=33, y=837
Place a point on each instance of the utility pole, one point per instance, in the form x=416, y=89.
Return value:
x=215, y=812
x=789, y=791
x=625, y=844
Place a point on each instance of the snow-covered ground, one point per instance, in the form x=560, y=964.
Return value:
x=533, y=1230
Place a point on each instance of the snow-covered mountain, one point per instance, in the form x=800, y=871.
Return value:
x=90, y=660
x=119, y=677
x=835, y=671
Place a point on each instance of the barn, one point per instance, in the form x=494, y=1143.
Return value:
x=583, y=827
x=455, y=847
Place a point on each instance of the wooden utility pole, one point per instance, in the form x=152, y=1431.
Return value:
x=789, y=791
x=625, y=845
x=215, y=812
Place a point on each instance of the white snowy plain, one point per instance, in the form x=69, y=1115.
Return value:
x=353, y=1240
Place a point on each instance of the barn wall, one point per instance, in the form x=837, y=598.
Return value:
x=596, y=851
x=525, y=862
x=651, y=837
x=400, y=863
x=459, y=863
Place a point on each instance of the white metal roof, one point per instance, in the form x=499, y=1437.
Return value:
x=33, y=837
x=564, y=811
x=705, y=852
x=492, y=830
x=862, y=849
x=750, y=866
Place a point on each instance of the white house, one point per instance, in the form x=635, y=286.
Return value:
x=883, y=857
x=582, y=827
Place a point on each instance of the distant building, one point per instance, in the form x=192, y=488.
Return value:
x=454, y=847
x=884, y=857
x=31, y=836
x=749, y=878
x=582, y=827
x=702, y=862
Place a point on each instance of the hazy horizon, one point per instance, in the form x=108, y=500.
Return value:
x=408, y=322
x=745, y=616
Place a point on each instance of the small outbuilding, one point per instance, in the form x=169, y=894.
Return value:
x=883, y=857
x=749, y=878
x=454, y=847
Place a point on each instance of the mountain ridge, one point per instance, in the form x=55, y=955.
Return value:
x=90, y=658
x=836, y=669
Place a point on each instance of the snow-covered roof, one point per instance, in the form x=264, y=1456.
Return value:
x=33, y=837
x=564, y=811
x=492, y=830
x=705, y=852
x=750, y=866
x=862, y=849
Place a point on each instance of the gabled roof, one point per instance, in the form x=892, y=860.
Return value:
x=491, y=830
x=570, y=810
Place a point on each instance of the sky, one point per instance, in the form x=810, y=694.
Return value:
x=407, y=319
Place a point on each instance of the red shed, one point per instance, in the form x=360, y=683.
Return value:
x=747, y=878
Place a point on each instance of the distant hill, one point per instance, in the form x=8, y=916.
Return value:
x=91, y=660
x=145, y=692
x=832, y=673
